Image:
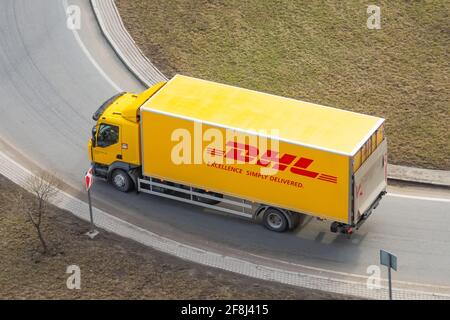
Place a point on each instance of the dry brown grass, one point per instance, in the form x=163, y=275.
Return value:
x=318, y=51
x=111, y=267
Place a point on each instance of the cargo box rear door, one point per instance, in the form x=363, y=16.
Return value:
x=370, y=180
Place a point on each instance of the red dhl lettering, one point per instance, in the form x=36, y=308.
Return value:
x=271, y=159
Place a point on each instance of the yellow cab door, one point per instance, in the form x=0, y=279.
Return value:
x=108, y=146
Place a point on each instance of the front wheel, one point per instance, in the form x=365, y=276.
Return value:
x=275, y=220
x=121, y=180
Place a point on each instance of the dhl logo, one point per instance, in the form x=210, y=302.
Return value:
x=246, y=153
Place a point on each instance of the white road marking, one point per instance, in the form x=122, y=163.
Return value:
x=87, y=53
x=398, y=195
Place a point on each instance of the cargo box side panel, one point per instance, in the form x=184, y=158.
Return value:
x=303, y=179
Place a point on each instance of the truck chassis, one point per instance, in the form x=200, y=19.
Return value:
x=241, y=207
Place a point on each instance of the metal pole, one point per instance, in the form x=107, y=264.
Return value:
x=90, y=210
x=390, y=280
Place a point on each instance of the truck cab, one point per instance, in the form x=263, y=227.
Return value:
x=114, y=149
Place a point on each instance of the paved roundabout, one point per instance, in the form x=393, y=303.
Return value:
x=53, y=78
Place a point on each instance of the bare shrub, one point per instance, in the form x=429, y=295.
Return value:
x=44, y=188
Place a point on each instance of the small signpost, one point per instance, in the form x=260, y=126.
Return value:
x=390, y=261
x=89, y=179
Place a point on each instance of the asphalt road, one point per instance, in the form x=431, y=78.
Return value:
x=51, y=81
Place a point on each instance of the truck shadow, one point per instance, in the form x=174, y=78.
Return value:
x=309, y=243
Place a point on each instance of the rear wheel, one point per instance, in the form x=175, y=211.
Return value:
x=295, y=220
x=121, y=180
x=275, y=220
x=334, y=227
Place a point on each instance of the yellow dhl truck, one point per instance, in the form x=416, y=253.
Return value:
x=243, y=152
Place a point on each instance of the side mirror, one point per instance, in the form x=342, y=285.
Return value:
x=93, y=139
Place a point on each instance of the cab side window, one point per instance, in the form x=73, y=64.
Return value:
x=107, y=135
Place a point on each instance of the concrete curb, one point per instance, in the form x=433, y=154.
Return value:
x=113, y=29
x=112, y=26
x=322, y=281
x=418, y=175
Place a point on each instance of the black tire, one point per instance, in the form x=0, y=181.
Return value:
x=334, y=227
x=295, y=220
x=275, y=220
x=206, y=200
x=121, y=180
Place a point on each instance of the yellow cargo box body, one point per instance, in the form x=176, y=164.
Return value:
x=314, y=158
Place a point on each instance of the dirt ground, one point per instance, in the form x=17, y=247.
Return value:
x=316, y=51
x=111, y=267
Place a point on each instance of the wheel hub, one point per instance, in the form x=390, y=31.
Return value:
x=274, y=220
x=119, y=180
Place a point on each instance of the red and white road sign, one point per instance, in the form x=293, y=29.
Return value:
x=89, y=178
